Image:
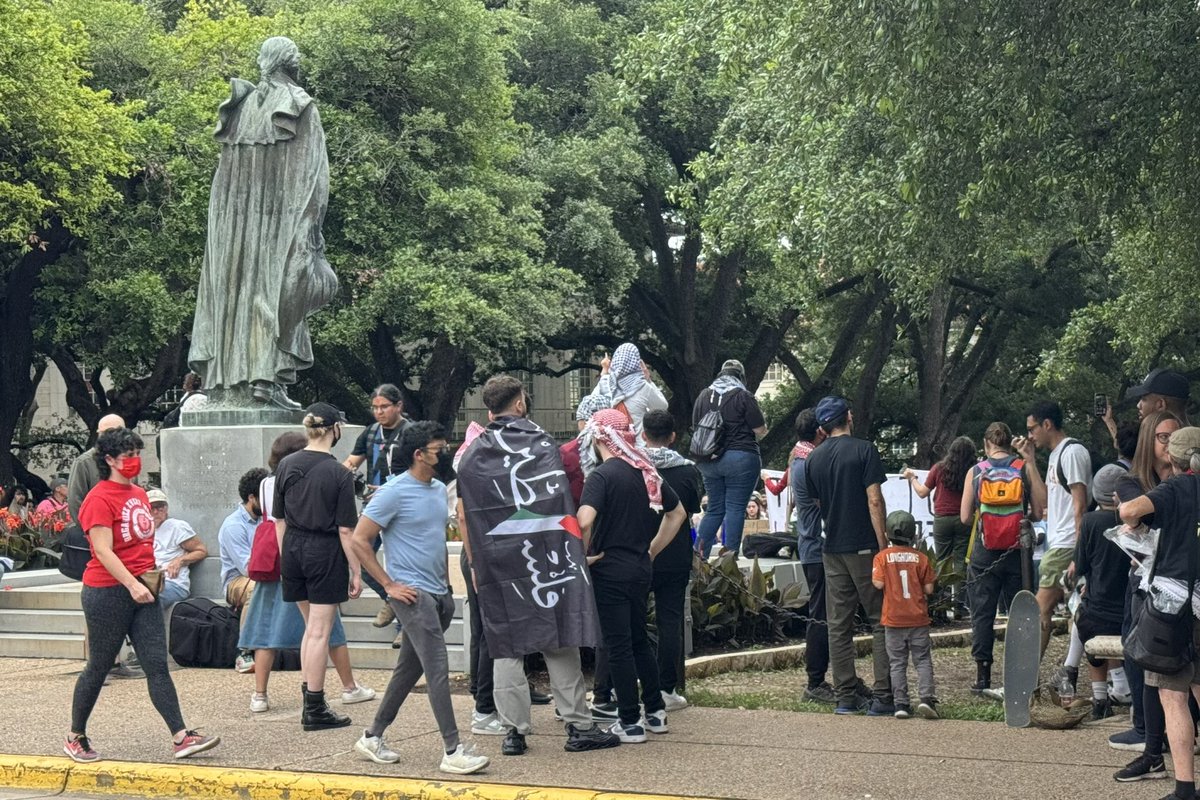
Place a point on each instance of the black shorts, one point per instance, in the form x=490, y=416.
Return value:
x=1090, y=625
x=313, y=567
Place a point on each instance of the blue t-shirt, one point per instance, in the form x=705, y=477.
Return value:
x=234, y=541
x=413, y=517
x=810, y=543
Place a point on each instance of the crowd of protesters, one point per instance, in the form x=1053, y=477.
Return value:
x=563, y=547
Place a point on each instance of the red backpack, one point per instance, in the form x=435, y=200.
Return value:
x=264, y=553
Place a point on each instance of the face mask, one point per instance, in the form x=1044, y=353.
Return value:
x=337, y=434
x=130, y=467
x=445, y=467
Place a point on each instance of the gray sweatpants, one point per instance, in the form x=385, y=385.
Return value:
x=423, y=651
x=511, y=689
x=901, y=642
x=847, y=584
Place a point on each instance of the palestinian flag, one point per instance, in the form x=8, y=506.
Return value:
x=535, y=591
x=525, y=522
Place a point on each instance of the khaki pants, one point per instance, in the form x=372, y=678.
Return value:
x=847, y=584
x=511, y=689
x=238, y=595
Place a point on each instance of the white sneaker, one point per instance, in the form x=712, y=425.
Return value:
x=244, y=663
x=373, y=748
x=487, y=724
x=628, y=734
x=656, y=722
x=463, y=761
x=675, y=702
x=258, y=703
x=359, y=694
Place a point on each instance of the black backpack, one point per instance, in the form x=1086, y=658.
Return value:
x=708, y=439
x=76, y=552
x=203, y=634
x=768, y=545
x=172, y=417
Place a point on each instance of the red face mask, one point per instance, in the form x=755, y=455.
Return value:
x=130, y=467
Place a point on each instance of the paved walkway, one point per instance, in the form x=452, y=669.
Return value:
x=709, y=752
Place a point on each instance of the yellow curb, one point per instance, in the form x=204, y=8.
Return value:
x=191, y=781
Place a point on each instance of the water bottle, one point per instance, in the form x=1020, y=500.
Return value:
x=1066, y=690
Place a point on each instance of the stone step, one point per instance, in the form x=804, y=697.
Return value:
x=368, y=605
x=45, y=645
x=41, y=620
x=64, y=598
x=374, y=655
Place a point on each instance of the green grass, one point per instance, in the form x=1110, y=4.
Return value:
x=979, y=711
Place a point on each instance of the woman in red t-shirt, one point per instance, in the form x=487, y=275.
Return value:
x=116, y=603
x=945, y=481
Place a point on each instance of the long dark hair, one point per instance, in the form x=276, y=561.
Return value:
x=960, y=457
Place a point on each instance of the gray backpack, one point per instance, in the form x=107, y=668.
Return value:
x=708, y=439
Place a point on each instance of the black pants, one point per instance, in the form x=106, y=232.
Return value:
x=112, y=614
x=481, y=659
x=670, y=594
x=816, y=636
x=621, y=606
x=985, y=586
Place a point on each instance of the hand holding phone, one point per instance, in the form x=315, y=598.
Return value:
x=1100, y=408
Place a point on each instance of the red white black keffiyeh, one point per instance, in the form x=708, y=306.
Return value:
x=611, y=428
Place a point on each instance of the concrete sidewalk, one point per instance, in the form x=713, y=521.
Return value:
x=708, y=753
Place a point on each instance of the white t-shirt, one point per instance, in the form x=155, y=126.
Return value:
x=168, y=546
x=1060, y=506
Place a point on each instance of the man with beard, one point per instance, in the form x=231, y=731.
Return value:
x=527, y=562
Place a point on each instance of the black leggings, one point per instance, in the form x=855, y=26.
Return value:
x=111, y=615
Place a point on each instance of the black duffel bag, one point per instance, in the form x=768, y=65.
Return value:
x=768, y=545
x=76, y=552
x=203, y=634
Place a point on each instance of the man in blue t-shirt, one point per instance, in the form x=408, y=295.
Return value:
x=810, y=546
x=410, y=512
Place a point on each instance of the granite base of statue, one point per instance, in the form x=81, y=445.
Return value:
x=201, y=466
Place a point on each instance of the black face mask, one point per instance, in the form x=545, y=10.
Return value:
x=445, y=467
x=337, y=434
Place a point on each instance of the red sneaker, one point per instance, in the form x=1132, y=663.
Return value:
x=80, y=749
x=193, y=743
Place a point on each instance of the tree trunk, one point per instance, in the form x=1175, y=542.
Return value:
x=868, y=382
x=16, y=341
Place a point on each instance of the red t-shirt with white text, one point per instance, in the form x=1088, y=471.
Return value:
x=125, y=509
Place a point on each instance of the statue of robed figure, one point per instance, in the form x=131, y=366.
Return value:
x=264, y=261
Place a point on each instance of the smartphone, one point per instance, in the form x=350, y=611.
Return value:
x=1101, y=405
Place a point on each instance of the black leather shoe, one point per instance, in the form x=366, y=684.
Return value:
x=514, y=744
x=537, y=698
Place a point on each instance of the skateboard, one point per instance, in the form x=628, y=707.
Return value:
x=1022, y=654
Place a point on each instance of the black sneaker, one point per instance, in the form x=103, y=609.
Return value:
x=539, y=698
x=879, y=708
x=903, y=711
x=591, y=738
x=927, y=708
x=514, y=744
x=1101, y=709
x=862, y=690
x=604, y=712
x=821, y=693
x=1140, y=769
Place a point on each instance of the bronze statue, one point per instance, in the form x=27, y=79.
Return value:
x=264, y=262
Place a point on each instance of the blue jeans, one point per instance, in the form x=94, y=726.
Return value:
x=172, y=593
x=729, y=481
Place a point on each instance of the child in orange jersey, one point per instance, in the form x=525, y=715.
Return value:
x=906, y=577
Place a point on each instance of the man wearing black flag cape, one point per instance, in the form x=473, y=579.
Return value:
x=528, y=563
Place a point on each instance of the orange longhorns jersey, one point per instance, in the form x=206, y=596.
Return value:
x=904, y=573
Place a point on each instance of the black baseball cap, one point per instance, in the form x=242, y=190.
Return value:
x=322, y=415
x=1166, y=382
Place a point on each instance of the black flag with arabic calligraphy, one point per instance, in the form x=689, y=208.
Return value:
x=535, y=592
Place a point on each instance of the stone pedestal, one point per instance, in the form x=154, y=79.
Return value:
x=200, y=471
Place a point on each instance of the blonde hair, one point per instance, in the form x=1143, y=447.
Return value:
x=313, y=430
x=999, y=435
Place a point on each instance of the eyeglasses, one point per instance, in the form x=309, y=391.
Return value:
x=1163, y=438
x=381, y=406
x=442, y=449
